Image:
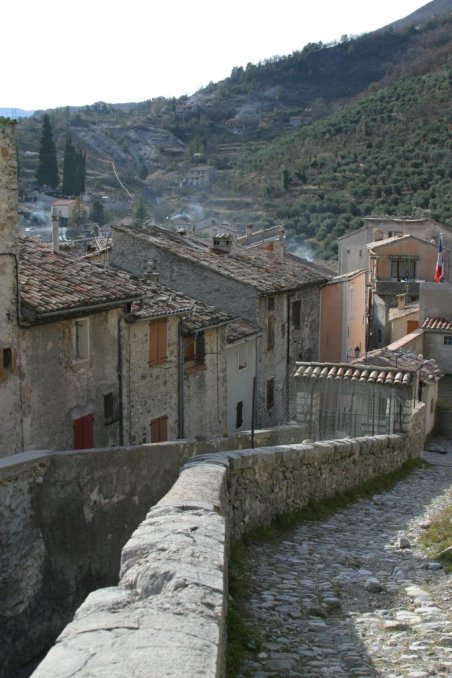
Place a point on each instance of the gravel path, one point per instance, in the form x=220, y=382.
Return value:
x=353, y=595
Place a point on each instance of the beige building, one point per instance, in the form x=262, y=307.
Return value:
x=343, y=318
x=353, y=251
x=397, y=266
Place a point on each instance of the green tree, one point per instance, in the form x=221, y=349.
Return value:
x=80, y=172
x=47, y=172
x=73, y=169
x=140, y=211
x=69, y=167
x=98, y=213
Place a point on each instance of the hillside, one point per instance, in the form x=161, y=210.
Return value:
x=316, y=140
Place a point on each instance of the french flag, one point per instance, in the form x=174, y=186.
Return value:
x=439, y=271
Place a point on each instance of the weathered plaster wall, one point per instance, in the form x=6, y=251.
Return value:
x=58, y=388
x=205, y=391
x=168, y=614
x=240, y=383
x=150, y=391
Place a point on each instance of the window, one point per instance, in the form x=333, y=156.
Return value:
x=158, y=341
x=194, y=349
x=81, y=339
x=239, y=414
x=270, y=303
x=403, y=269
x=270, y=333
x=448, y=340
x=159, y=430
x=7, y=358
x=270, y=393
x=296, y=314
x=111, y=408
x=243, y=355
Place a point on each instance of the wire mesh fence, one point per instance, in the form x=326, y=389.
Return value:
x=333, y=409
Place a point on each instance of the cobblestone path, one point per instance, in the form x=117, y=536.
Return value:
x=354, y=596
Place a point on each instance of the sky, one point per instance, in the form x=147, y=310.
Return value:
x=58, y=54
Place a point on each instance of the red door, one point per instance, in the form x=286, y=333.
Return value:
x=83, y=432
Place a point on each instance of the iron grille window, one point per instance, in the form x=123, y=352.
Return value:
x=7, y=358
x=112, y=411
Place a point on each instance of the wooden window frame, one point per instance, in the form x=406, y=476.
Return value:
x=158, y=341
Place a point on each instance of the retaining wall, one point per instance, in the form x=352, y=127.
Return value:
x=167, y=616
x=65, y=517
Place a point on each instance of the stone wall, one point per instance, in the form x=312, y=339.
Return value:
x=66, y=517
x=168, y=614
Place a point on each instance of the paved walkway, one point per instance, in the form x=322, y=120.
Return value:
x=353, y=596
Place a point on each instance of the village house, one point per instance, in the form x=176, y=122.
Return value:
x=59, y=371
x=278, y=293
x=343, y=318
x=183, y=368
x=102, y=360
x=352, y=247
x=397, y=265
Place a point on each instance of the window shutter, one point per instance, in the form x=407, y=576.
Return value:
x=163, y=338
x=153, y=342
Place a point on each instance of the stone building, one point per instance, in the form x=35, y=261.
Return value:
x=91, y=357
x=278, y=293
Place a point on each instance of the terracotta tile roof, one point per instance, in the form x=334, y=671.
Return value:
x=437, y=324
x=265, y=271
x=57, y=283
x=370, y=374
x=428, y=369
x=160, y=301
x=239, y=329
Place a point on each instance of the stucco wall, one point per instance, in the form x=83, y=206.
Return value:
x=435, y=301
x=168, y=614
x=425, y=263
x=205, y=390
x=240, y=383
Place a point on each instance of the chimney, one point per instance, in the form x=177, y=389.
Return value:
x=401, y=301
x=279, y=247
x=222, y=242
x=248, y=230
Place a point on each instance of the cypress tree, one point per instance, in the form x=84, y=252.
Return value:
x=80, y=172
x=69, y=167
x=47, y=172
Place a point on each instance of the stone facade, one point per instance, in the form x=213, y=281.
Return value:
x=270, y=311
x=10, y=395
x=168, y=614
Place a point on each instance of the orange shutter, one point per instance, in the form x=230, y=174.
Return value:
x=158, y=340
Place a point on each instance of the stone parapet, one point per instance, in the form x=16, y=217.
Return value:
x=167, y=616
